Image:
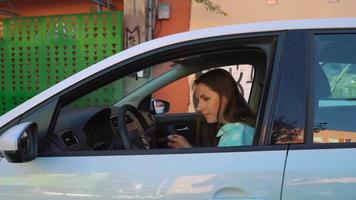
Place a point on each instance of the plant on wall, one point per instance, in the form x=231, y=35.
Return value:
x=212, y=7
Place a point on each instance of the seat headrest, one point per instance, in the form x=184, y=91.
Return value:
x=322, y=85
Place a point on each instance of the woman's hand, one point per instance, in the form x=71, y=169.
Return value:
x=177, y=141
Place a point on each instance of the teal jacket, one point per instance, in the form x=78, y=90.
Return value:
x=235, y=134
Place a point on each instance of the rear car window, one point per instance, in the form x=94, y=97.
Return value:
x=335, y=89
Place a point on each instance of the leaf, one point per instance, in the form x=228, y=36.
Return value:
x=212, y=7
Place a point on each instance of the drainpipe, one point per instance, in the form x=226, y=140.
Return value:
x=151, y=7
x=8, y=13
x=106, y=4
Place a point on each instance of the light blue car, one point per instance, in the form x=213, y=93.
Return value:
x=298, y=78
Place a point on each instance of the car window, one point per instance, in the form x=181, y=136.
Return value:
x=335, y=89
x=118, y=114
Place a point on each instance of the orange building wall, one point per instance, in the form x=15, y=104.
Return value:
x=26, y=8
x=178, y=22
x=249, y=11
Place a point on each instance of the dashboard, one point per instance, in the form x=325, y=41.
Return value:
x=97, y=128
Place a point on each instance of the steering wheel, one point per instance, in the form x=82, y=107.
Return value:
x=131, y=127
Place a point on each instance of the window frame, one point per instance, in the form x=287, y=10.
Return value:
x=288, y=78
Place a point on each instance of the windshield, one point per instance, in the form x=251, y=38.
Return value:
x=118, y=89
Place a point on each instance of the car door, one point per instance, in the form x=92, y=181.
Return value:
x=246, y=172
x=324, y=167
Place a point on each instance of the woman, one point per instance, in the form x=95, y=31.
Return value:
x=220, y=102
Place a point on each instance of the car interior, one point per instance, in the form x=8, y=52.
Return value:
x=132, y=122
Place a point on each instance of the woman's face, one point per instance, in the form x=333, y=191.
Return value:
x=209, y=103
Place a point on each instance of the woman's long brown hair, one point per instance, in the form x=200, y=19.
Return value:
x=236, y=109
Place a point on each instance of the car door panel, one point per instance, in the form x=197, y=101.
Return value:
x=220, y=175
x=318, y=174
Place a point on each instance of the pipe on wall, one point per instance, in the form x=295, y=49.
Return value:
x=106, y=4
x=8, y=13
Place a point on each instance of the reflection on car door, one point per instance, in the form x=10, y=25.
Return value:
x=247, y=173
x=319, y=174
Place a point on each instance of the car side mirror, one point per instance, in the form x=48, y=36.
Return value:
x=160, y=106
x=20, y=143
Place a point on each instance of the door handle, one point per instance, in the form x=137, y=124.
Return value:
x=182, y=129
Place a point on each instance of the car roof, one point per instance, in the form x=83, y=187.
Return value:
x=174, y=39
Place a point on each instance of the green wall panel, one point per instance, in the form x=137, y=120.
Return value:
x=37, y=52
